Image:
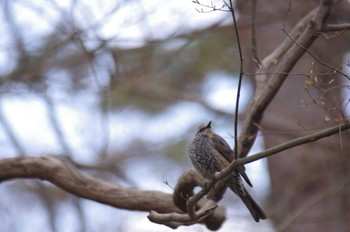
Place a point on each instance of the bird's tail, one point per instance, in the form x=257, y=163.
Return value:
x=250, y=203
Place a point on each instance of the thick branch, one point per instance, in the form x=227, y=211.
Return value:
x=185, y=186
x=66, y=177
x=61, y=174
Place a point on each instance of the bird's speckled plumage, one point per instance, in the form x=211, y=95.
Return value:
x=210, y=153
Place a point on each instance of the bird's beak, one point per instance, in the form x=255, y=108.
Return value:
x=209, y=125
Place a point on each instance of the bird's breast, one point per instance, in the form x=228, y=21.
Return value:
x=201, y=154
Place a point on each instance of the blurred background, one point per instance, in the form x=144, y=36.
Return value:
x=120, y=87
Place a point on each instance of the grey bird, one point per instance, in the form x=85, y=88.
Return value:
x=210, y=153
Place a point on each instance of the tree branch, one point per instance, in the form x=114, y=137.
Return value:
x=337, y=27
x=65, y=176
x=230, y=6
x=196, y=210
x=335, y=69
x=293, y=143
x=305, y=34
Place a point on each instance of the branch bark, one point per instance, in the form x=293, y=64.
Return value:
x=66, y=177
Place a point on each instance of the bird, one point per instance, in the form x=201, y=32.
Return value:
x=210, y=153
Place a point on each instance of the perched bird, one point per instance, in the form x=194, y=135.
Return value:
x=210, y=153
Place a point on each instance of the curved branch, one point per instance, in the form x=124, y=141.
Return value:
x=203, y=211
x=66, y=177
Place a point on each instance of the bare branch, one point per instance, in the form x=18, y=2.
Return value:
x=230, y=6
x=337, y=27
x=197, y=210
x=254, y=40
x=210, y=8
x=283, y=47
x=336, y=70
x=175, y=220
x=61, y=174
x=267, y=88
x=66, y=177
x=293, y=143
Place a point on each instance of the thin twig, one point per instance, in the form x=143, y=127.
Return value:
x=239, y=79
x=337, y=27
x=315, y=57
x=293, y=143
x=211, y=7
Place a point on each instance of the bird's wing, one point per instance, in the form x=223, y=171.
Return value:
x=224, y=149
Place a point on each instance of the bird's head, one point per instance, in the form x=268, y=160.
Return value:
x=205, y=128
